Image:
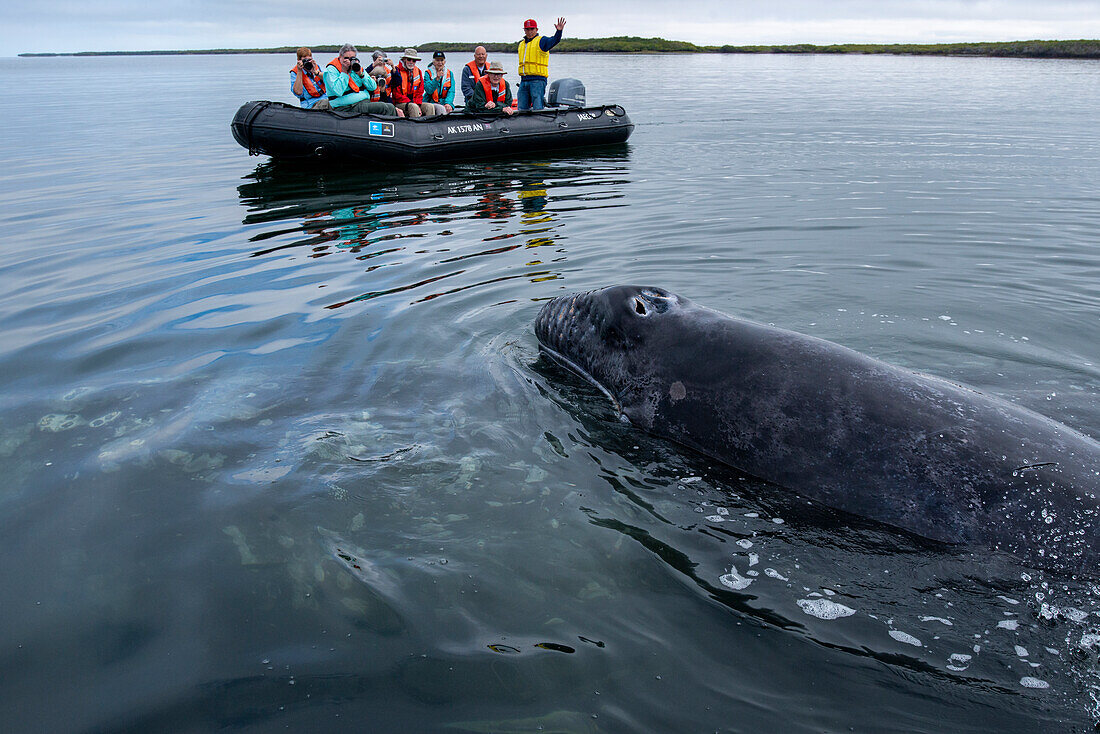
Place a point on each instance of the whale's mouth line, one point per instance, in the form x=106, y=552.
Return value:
x=573, y=366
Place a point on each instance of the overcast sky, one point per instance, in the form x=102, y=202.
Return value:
x=133, y=25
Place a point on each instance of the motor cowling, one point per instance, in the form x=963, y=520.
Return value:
x=566, y=93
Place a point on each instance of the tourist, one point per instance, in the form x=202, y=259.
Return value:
x=534, y=64
x=407, y=86
x=381, y=68
x=472, y=73
x=348, y=89
x=492, y=94
x=308, y=83
x=439, y=84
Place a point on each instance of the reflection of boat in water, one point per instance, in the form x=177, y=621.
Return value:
x=285, y=131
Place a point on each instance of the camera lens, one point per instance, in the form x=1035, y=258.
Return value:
x=307, y=64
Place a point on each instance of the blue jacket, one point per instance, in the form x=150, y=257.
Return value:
x=306, y=100
x=337, y=85
x=432, y=84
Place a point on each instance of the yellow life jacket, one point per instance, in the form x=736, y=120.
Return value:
x=533, y=61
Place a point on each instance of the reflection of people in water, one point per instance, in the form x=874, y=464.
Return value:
x=532, y=198
x=494, y=206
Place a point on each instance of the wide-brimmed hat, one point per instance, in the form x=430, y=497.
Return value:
x=495, y=67
x=410, y=53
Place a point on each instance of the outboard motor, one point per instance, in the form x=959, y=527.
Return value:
x=566, y=92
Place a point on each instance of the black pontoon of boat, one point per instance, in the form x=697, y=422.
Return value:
x=285, y=131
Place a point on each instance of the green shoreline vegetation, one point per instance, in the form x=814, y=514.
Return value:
x=1081, y=49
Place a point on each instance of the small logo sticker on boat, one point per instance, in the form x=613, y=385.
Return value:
x=384, y=129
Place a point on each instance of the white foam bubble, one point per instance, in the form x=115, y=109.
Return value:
x=745, y=543
x=941, y=620
x=825, y=609
x=1008, y=624
x=959, y=661
x=775, y=574
x=734, y=580
x=905, y=637
x=1021, y=651
x=1028, y=682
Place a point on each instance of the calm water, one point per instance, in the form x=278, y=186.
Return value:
x=280, y=451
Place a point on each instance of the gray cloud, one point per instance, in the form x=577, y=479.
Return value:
x=54, y=25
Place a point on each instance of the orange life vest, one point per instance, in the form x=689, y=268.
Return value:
x=445, y=87
x=472, y=66
x=310, y=82
x=502, y=90
x=340, y=68
x=411, y=84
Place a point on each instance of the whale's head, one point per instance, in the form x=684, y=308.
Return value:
x=609, y=336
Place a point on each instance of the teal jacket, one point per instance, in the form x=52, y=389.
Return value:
x=434, y=84
x=337, y=84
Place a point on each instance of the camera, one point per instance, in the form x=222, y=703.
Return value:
x=307, y=65
x=356, y=67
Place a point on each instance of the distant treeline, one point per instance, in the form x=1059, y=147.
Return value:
x=1084, y=49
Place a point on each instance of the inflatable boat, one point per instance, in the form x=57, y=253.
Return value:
x=285, y=131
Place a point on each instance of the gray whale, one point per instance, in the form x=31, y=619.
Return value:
x=914, y=451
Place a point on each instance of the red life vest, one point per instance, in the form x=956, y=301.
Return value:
x=472, y=66
x=340, y=68
x=502, y=91
x=311, y=82
x=446, y=86
x=410, y=91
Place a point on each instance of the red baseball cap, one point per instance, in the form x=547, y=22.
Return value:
x=530, y=23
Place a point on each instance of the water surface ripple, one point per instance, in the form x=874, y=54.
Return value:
x=281, y=452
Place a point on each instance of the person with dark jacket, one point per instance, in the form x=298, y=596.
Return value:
x=473, y=71
x=492, y=93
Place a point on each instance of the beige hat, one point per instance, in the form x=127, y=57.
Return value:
x=496, y=67
x=410, y=53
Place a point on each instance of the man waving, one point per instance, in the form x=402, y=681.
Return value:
x=534, y=64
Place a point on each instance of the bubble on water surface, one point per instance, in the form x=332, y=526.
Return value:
x=1028, y=682
x=825, y=609
x=959, y=661
x=735, y=580
x=905, y=637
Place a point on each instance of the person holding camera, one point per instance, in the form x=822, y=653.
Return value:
x=308, y=84
x=381, y=68
x=349, y=89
